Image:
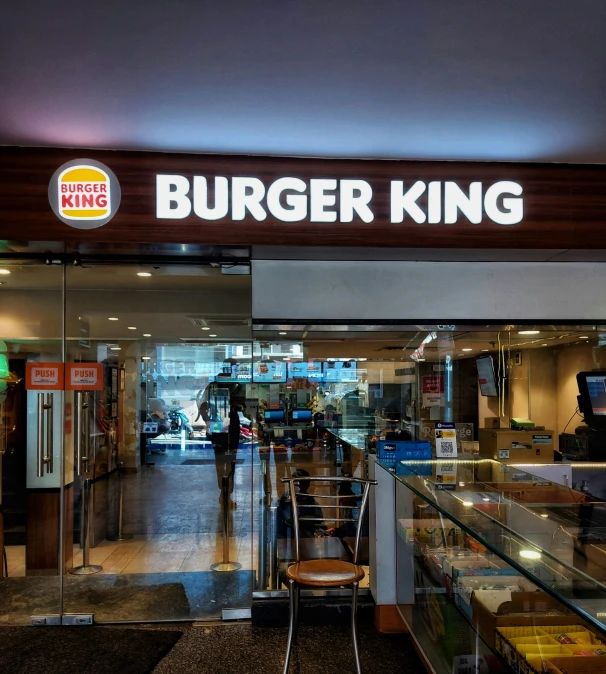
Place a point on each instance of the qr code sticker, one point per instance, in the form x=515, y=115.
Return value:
x=447, y=447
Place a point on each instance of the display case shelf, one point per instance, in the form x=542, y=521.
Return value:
x=481, y=547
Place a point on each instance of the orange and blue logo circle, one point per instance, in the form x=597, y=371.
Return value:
x=84, y=193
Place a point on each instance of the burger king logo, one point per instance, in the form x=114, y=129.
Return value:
x=84, y=193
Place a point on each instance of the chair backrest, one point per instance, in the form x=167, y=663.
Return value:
x=336, y=503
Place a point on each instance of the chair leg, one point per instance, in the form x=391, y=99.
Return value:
x=297, y=606
x=291, y=623
x=354, y=625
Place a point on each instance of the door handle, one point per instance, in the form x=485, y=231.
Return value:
x=44, y=453
x=82, y=432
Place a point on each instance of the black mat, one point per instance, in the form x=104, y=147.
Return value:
x=74, y=650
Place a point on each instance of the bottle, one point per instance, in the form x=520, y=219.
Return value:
x=563, y=638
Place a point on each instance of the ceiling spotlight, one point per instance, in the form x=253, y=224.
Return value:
x=584, y=337
x=131, y=327
x=205, y=328
x=529, y=332
x=285, y=358
x=467, y=503
x=544, y=345
x=212, y=335
x=115, y=348
x=143, y=273
x=146, y=334
x=282, y=333
x=112, y=318
x=466, y=349
x=145, y=357
x=484, y=350
x=5, y=272
x=544, y=516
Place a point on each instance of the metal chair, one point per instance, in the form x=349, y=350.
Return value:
x=326, y=572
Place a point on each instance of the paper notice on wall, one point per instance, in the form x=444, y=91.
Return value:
x=446, y=440
x=433, y=400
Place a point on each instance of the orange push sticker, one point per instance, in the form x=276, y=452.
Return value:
x=84, y=376
x=44, y=376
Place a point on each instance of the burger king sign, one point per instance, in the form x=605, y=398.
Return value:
x=84, y=193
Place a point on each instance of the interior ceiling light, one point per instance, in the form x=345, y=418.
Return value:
x=112, y=318
x=205, y=328
x=143, y=273
x=212, y=335
x=131, y=327
x=146, y=334
x=484, y=350
x=543, y=344
x=530, y=554
x=5, y=272
x=529, y=332
x=115, y=348
x=282, y=333
x=466, y=349
x=584, y=337
x=145, y=357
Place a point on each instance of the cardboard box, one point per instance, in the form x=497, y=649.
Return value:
x=510, y=446
x=521, y=609
x=468, y=586
x=577, y=664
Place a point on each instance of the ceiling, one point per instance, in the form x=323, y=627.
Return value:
x=472, y=80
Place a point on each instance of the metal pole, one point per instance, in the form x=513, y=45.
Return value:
x=85, y=569
x=121, y=535
x=226, y=565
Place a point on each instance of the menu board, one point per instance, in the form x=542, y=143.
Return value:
x=234, y=372
x=269, y=372
x=338, y=370
x=306, y=369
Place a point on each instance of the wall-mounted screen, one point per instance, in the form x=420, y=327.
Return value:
x=339, y=370
x=592, y=398
x=235, y=372
x=306, y=369
x=269, y=372
x=301, y=415
x=486, y=377
x=273, y=416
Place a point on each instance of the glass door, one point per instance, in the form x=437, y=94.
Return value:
x=35, y=519
x=158, y=418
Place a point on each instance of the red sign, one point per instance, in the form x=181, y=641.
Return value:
x=84, y=376
x=44, y=376
x=433, y=383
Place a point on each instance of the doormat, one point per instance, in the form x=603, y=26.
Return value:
x=73, y=650
x=205, y=462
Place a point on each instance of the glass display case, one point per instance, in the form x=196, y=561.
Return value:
x=499, y=570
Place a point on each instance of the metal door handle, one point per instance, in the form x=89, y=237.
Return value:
x=79, y=430
x=85, y=458
x=48, y=459
x=44, y=453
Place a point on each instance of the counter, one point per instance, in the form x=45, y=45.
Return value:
x=485, y=555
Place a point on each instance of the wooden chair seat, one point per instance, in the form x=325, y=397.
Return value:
x=325, y=573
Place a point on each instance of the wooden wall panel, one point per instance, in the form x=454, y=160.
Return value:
x=565, y=205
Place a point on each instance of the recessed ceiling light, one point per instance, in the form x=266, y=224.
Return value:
x=143, y=273
x=115, y=348
x=285, y=358
x=146, y=334
x=484, y=350
x=112, y=318
x=529, y=332
x=205, y=328
x=282, y=333
x=544, y=345
x=145, y=357
x=530, y=554
x=467, y=504
x=5, y=272
x=212, y=335
x=467, y=349
x=544, y=515
x=132, y=327
x=584, y=337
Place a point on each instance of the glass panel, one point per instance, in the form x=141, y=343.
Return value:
x=169, y=349
x=488, y=572
x=31, y=418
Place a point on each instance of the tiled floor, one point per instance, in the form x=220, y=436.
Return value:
x=174, y=513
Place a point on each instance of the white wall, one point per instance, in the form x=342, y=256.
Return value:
x=438, y=291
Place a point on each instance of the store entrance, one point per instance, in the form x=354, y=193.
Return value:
x=121, y=411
